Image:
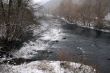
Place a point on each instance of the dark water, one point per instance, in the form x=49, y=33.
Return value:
x=85, y=45
x=91, y=47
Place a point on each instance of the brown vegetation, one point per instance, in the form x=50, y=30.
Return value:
x=16, y=19
x=90, y=12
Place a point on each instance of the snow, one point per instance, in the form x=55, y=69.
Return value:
x=29, y=49
x=91, y=26
x=52, y=35
x=62, y=18
x=80, y=48
x=49, y=67
x=48, y=31
x=54, y=31
x=40, y=1
x=107, y=17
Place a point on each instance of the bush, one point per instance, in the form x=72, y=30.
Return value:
x=17, y=19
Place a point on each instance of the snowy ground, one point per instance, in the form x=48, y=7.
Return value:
x=91, y=26
x=48, y=67
x=49, y=33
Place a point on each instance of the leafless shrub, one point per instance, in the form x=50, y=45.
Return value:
x=94, y=11
x=90, y=13
x=45, y=67
x=17, y=16
x=64, y=56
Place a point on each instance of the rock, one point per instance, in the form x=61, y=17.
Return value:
x=50, y=52
x=44, y=52
x=5, y=54
x=108, y=59
x=64, y=38
x=56, y=41
x=17, y=61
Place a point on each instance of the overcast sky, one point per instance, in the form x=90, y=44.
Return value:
x=40, y=1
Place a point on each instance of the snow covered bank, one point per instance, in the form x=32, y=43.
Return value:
x=49, y=31
x=91, y=25
x=48, y=67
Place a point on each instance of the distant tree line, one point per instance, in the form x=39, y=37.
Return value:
x=90, y=12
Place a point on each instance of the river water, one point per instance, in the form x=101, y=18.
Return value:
x=58, y=40
x=84, y=45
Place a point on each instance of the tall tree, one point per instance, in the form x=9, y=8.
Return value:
x=17, y=15
x=65, y=9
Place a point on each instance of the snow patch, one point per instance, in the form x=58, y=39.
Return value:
x=52, y=35
x=80, y=48
x=91, y=25
x=49, y=31
x=107, y=17
x=29, y=49
x=51, y=67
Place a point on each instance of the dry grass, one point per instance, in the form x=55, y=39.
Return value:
x=64, y=56
x=45, y=66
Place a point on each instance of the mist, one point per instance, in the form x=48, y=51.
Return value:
x=51, y=5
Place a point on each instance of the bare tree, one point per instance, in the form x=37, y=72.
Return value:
x=2, y=11
x=65, y=9
x=17, y=16
x=101, y=9
x=86, y=13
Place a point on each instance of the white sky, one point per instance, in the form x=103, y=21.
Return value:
x=40, y=1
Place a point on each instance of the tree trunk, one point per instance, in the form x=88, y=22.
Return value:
x=3, y=11
x=9, y=12
x=8, y=20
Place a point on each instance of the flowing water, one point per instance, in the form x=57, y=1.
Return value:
x=56, y=40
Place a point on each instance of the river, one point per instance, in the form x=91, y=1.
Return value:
x=58, y=40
